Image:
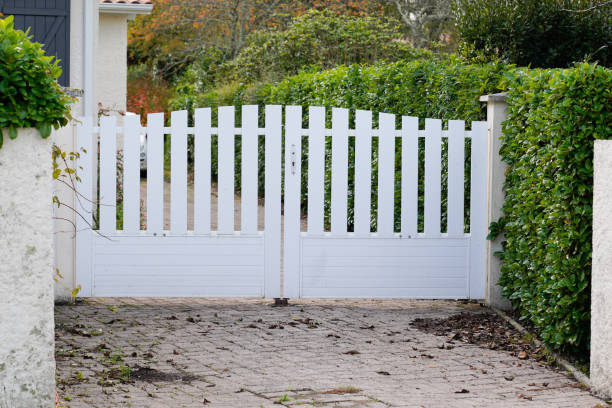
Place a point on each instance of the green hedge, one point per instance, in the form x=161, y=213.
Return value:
x=29, y=93
x=553, y=118
x=445, y=88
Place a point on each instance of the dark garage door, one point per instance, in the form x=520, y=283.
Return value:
x=49, y=23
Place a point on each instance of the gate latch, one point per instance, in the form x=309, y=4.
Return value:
x=293, y=161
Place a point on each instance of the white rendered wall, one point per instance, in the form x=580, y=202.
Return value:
x=601, y=279
x=65, y=138
x=111, y=62
x=27, y=365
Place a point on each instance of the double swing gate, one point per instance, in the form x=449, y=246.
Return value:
x=351, y=210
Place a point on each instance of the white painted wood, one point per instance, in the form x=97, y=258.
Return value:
x=339, y=169
x=249, y=169
x=385, y=267
x=178, y=172
x=108, y=174
x=386, y=173
x=433, y=181
x=201, y=171
x=155, y=173
x=456, y=169
x=131, y=173
x=179, y=266
x=363, y=171
x=293, y=171
x=85, y=166
x=226, y=170
x=272, y=234
x=478, y=210
x=410, y=176
x=316, y=169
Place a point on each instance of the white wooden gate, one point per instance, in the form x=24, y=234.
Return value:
x=155, y=261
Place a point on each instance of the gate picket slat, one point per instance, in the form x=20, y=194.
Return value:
x=108, y=174
x=456, y=166
x=433, y=168
x=316, y=169
x=363, y=171
x=410, y=176
x=293, y=171
x=226, y=170
x=272, y=234
x=249, y=169
x=131, y=174
x=201, y=171
x=386, y=173
x=178, y=172
x=155, y=173
x=478, y=210
x=339, y=176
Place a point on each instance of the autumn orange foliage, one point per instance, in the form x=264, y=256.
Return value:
x=147, y=95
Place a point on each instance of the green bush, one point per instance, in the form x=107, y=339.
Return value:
x=553, y=118
x=318, y=40
x=536, y=33
x=29, y=93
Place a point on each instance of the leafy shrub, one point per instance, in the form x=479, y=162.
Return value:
x=29, y=93
x=539, y=33
x=146, y=93
x=553, y=118
x=319, y=40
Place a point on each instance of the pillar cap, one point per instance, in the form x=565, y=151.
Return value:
x=498, y=97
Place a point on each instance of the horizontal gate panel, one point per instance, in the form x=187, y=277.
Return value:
x=385, y=267
x=200, y=266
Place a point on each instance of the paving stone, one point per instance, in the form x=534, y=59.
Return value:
x=229, y=353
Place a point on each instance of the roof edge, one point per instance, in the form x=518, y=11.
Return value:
x=125, y=8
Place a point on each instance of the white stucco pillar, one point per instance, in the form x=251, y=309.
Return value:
x=601, y=277
x=496, y=115
x=27, y=365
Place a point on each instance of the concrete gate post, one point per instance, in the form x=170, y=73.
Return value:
x=601, y=276
x=496, y=114
x=27, y=364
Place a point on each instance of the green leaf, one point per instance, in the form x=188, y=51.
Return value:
x=45, y=130
x=12, y=132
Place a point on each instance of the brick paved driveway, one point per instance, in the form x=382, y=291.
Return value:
x=245, y=353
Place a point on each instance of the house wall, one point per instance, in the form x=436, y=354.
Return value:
x=111, y=62
x=65, y=138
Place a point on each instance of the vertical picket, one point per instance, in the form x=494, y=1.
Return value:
x=248, y=213
x=108, y=174
x=410, y=176
x=155, y=173
x=272, y=234
x=178, y=172
x=386, y=173
x=433, y=181
x=456, y=168
x=478, y=210
x=339, y=188
x=293, y=171
x=131, y=174
x=201, y=171
x=226, y=170
x=84, y=236
x=363, y=171
x=316, y=169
